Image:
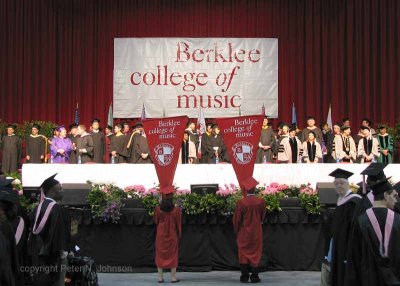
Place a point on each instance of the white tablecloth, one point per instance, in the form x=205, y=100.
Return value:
x=145, y=174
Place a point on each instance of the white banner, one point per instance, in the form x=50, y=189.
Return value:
x=176, y=76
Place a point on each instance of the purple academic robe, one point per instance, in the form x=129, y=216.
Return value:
x=60, y=143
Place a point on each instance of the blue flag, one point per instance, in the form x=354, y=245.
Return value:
x=294, y=117
x=77, y=114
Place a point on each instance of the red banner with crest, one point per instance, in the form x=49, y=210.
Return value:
x=165, y=138
x=241, y=136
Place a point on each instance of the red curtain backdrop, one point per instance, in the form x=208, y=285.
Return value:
x=55, y=53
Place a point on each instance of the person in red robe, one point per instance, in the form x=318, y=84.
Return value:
x=247, y=222
x=167, y=217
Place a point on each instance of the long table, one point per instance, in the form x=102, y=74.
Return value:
x=131, y=174
x=292, y=241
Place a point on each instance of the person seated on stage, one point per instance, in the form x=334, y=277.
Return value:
x=375, y=246
x=187, y=154
x=98, y=141
x=193, y=137
x=167, y=217
x=73, y=136
x=345, y=148
x=267, y=144
x=341, y=225
x=14, y=229
x=311, y=127
x=35, y=146
x=84, y=145
x=140, y=145
x=61, y=147
x=367, y=123
x=216, y=149
x=205, y=137
x=118, y=143
x=247, y=223
x=11, y=149
x=368, y=147
x=290, y=149
x=386, y=145
x=312, y=152
x=50, y=239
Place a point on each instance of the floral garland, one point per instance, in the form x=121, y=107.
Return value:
x=106, y=200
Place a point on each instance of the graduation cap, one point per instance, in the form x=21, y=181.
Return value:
x=138, y=124
x=73, y=125
x=249, y=183
x=37, y=126
x=109, y=127
x=215, y=125
x=49, y=183
x=381, y=126
x=5, y=184
x=167, y=192
x=292, y=128
x=60, y=127
x=9, y=196
x=341, y=174
x=95, y=120
x=381, y=186
x=365, y=128
x=374, y=171
x=209, y=124
x=345, y=127
x=13, y=126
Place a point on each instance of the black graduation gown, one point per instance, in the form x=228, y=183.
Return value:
x=341, y=230
x=118, y=144
x=141, y=147
x=46, y=246
x=6, y=273
x=11, y=257
x=216, y=141
x=11, y=149
x=365, y=262
x=204, y=151
x=21, y=247
x=267, y=138
x=85, y=142
x=35, y=148
x=131, y=154
x=98, y=146
x=73, y=158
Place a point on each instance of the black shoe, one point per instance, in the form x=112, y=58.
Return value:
x=244, y=278
x=244, y=268
x=254, y=278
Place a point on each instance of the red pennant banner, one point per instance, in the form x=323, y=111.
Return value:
x=241, y=136
x=165, y=138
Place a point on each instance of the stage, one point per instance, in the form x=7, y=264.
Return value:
x=144, y=174
x=293, y=241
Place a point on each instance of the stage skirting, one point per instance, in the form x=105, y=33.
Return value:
x=131, y=174
x=293, y=240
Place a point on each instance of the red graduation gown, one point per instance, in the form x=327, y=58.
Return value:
x=247, y=222
x=168, y=234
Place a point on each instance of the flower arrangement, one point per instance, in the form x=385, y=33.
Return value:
x=271, y=194
x=105, y=201
x=135, y=191
x=309, y=200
